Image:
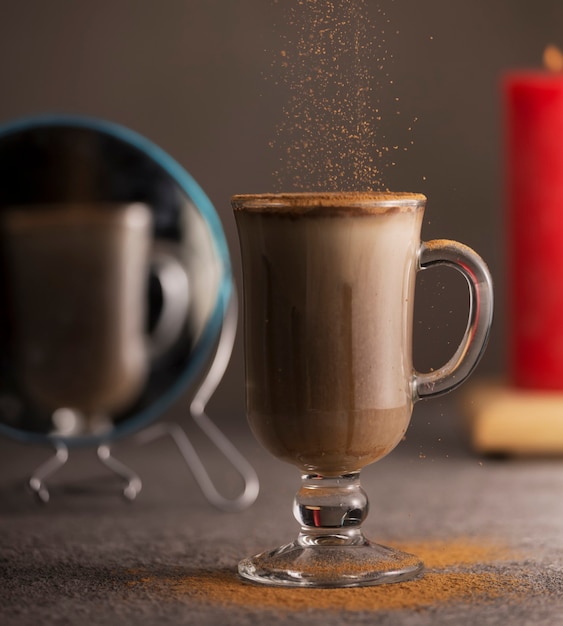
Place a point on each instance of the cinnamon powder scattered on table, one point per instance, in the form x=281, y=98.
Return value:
x=449, y=578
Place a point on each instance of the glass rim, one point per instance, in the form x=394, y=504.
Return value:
x=341, y=201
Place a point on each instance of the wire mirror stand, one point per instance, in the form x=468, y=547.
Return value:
x=132, y=484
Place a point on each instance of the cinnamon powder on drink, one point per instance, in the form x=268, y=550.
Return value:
x=451, y=576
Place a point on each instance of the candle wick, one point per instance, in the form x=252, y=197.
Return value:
x=553, y=59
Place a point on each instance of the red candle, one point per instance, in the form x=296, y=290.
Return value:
x=534, y=150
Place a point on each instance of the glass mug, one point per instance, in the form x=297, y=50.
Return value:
x=329, y=283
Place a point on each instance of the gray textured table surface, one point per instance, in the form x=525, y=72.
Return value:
x=91, y=558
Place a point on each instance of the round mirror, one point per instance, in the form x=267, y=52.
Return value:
x=114, y=280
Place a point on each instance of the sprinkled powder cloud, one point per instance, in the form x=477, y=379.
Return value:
x=333, y=62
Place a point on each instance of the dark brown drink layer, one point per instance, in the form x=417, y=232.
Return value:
x=354, y=203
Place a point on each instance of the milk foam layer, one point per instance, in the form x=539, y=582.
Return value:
x=328, y=322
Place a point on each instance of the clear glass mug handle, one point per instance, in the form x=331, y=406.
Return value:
x=474, y=341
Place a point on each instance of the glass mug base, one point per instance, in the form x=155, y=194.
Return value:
x=363, y=564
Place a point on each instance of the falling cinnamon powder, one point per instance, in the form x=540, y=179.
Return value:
x=333, y=62
x=451, y=577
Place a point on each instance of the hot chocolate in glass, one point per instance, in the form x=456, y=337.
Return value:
x=329, y=283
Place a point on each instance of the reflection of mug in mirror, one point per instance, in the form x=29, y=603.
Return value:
x=77, y=291
x=54, y=165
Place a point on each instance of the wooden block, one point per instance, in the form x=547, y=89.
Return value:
x=507, y=420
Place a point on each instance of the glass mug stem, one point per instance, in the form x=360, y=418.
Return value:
x=330, y=509
x=331, y=549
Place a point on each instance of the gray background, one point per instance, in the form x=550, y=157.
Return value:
x=188, y=74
